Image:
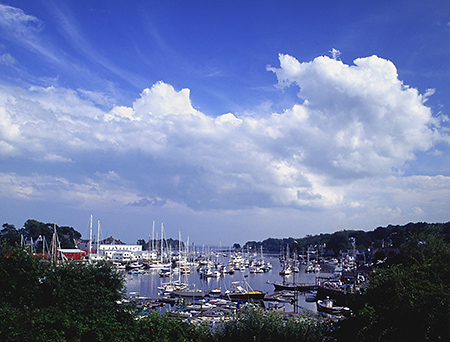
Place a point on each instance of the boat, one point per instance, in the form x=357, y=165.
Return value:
x=286, y=270
x=328, y=306
x=190, y=293
x=293, y=286
x=165, y=272
x=242, y=291
x=311, y=296
x=133, y=265
x=172, y=286
x=216, y=292
x=136, y=271
x=205, y=272
x=255, y=269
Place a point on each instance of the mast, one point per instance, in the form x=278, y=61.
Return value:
x=55, y=245
x=153, y=236
x=187, y=248
x=90, y=237
x=98, y=237
x=162, y=232
x=148, y=249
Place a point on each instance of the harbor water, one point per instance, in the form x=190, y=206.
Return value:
x=146, y=284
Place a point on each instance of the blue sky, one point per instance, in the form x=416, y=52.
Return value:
x=227, y=121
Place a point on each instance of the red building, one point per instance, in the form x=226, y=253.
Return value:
x=73, y=254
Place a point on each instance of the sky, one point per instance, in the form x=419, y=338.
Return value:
x=226, y=121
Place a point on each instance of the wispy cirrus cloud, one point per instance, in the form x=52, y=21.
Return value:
x=25, y=30
x=7, y=59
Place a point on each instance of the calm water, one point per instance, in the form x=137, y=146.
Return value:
x=147, y=284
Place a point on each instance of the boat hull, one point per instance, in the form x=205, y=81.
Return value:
x=332, y=309
x=295, y=287
x=254, y=295
x=190, y=294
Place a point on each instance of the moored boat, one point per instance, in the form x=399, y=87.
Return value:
x=190, y=293
x=328, y=305
x=240, y=291
x=293, y=286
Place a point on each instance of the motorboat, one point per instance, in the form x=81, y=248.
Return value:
x=242, y=291
x=328, y=306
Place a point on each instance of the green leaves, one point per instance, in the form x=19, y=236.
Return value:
x=45, y=302
x=409, y=300
x=252, y=323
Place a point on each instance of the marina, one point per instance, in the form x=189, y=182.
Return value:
x=184, y=289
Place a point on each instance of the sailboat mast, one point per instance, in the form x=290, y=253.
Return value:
x=162, y=232
x=54, y=245
x=98, y=236
x=153, y=236
x=90, y=237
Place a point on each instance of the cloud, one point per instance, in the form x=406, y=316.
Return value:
x=24, y=29
x=154, y=202
x=48, y=189
x=354, y=122
x=17, y=22
x=367, y=118
x=54, y=158
x=7, y=59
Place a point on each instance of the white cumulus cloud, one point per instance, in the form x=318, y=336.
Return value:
x=354, y=122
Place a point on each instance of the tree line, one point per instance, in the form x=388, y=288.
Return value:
x=38, y=232
x=390, y=236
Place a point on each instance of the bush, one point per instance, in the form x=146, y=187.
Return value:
x=408, y=299
x=255, y=324
x=41, y=301
x=162, y=328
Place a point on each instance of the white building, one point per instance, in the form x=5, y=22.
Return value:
x=122, y=253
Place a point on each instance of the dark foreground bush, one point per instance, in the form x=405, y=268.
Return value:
x=255, y=324
x=42, y=301
x=163, y=328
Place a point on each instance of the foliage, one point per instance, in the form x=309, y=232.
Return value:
x=391, y=236
x=42, y=301
x=9, y=235
x=32, y=229
x=409, y=298
x=162, y=328
x=255, y=324
x=168, y=243
x=141, y=242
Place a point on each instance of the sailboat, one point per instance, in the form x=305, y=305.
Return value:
x=158, y=264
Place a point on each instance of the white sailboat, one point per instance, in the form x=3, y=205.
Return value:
x=161, y=263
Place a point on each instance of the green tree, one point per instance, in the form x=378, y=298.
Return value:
x=409, y=298
x=143, y=244
x=41, y=301
x=9, y=235
x=66, y=235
